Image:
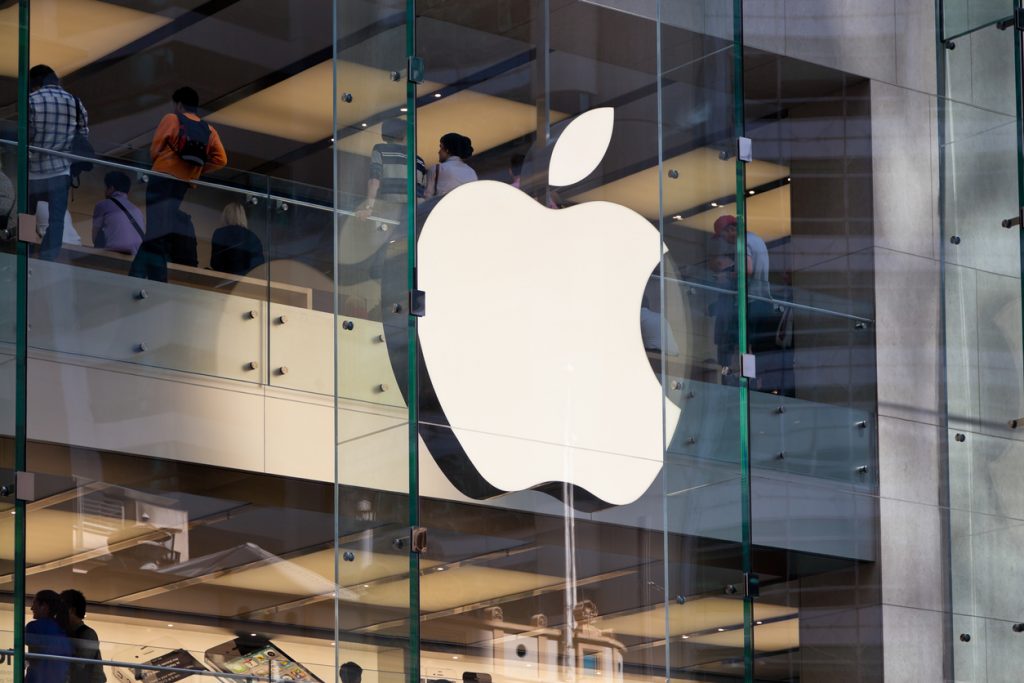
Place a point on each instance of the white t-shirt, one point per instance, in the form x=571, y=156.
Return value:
x=446, y=176
x=757, y=251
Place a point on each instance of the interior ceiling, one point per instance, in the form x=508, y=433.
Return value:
x=65, y=537
x=463, y=45
x=703, y=177
x=69, y=34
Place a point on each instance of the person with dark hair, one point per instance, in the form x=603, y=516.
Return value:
x=117, y=223
x=84, y=641
x=185, y=147
x=47, y=634
x=55, y=117
x=515, y=169
x=451, y=169
x=350, y=672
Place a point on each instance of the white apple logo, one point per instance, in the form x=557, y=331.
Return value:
x=531, y=337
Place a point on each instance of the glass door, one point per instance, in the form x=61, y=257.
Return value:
x=980, y=143
x=377, y=552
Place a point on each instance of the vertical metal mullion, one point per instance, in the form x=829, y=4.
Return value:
x=21, y=351
x=744, y=389
x=413, y=663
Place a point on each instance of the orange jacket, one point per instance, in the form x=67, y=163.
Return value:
x=166, y=160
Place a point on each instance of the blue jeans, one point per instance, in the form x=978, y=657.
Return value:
x=53, y=191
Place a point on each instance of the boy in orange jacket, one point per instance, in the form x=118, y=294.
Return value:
x=184, y=147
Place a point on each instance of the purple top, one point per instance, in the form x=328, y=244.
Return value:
x=111, y=228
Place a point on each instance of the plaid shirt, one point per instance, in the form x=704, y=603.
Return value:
x=52, y=123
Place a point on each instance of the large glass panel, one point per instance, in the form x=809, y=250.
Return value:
x=980, y=152
x=375, y=465
x=811, y=332
x=181, y=484
x=580, y=471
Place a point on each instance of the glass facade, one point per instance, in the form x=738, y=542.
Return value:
x=512, y=341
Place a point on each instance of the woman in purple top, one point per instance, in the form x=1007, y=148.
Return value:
x=116, y=222
x=47, y=634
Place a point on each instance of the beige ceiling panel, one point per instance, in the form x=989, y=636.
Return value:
x=702, y=178
x=301, y=107
x=56, y=534
x=768, y=214
x=440, y=590
x=68, y=34
x=313, y=574
x=487, y=120
x=773, y=637
x=691, y=617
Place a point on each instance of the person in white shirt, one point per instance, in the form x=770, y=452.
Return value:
x=452, y=170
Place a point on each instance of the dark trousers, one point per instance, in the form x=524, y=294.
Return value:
x=163, y=201
x=53, y=191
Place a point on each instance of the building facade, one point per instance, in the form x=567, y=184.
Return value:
x=685, y=346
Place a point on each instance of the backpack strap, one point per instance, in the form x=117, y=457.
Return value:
x=130, y=218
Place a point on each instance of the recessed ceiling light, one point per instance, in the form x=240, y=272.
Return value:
x=720, y=630
x=437, y=94
x=685, y=637
x=677, y=218
x=404, y=109
x=441, y=569
x=750, y=192
x=170, y=625
x=713, y=204
x=366, y=585
x=788, y=179
x=364, y=125
x=759, y=623
x=455, y=656
x=253, y=635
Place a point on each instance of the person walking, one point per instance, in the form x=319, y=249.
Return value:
x=184, y=147
x=55, y=117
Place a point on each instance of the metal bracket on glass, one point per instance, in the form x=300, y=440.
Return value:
x=1016, y=221
x=748, y=366
x=418, y=539
x=417, y=303
x=25, y=486
x=745, y=149
x=751, y=585
x=416, y=70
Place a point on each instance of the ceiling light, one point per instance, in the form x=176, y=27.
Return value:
x=253, y=635
x=366, y=585
x=685, y=637
x=759, y=623
x=170, y=625
x=441, y=569
x=455, y=656
x=720, y=630
x=677, y=218
x=364, y=125
x=750, y=192
x=437, y=94
x=788, y=179
x=714, y=204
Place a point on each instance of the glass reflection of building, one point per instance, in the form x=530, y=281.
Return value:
x=788, y=452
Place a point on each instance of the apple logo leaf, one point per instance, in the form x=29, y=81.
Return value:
x=581, y=147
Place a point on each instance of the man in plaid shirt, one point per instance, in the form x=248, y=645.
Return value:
x=54, y=117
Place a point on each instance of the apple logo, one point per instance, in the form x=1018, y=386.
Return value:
x=531, y=338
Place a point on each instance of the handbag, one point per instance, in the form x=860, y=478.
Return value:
x=80, y=147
